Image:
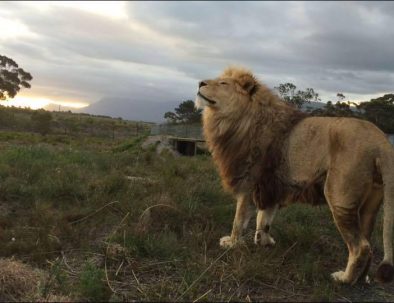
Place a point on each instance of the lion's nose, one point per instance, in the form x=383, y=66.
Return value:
x=202, y=83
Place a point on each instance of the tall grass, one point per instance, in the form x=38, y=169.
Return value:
x=123, y=223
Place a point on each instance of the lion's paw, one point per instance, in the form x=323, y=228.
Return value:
x=227, y=242
x=263, y=239
x=339, y=276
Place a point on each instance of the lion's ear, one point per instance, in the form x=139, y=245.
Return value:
x=249, y=84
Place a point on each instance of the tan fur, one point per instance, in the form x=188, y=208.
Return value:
x=269, y=152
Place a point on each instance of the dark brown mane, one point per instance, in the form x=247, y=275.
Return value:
x=247, y=145
x=271, y=189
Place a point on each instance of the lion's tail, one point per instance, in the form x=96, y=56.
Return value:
x=385, y=272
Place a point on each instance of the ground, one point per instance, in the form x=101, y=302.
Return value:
x=101, y=219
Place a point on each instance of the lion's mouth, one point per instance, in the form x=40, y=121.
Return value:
x=205, y=98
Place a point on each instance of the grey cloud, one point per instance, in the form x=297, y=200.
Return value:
x=330, y=46
x=335, y=35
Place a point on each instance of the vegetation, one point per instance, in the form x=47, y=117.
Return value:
x=297, y=98
x=379, y=111
x=41, y=121
x=12, y=78
x=184, y=113
x=109, y=221
x=68, y=124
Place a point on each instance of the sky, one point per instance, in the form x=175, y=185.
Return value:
x=82, y=52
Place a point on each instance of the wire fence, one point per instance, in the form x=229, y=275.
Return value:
x=183, y=130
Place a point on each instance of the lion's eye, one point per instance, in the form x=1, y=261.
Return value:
x=223, y=83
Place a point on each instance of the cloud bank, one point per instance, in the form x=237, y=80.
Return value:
x=158, y=51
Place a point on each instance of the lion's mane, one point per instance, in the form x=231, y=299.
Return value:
x=247, y=146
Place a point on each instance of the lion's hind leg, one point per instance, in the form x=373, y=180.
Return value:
x=368, y=214
x=359, y=248
x=345, y=206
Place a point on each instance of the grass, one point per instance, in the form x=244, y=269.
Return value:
x=109, y=221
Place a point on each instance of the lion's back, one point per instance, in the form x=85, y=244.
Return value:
x=316, y=142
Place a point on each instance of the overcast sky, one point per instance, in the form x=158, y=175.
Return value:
x=158, y=51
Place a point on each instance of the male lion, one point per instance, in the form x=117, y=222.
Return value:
x=270, y=154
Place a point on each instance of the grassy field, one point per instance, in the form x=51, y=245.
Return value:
x=104, y=220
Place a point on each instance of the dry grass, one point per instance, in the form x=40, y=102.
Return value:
x=22, y=282
x=19, y=281
x=95, y=235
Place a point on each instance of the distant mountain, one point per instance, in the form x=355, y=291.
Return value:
x=147, y=111
x=140, y=110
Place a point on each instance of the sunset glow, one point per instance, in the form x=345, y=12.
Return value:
x=36, y=103
x=111, y=9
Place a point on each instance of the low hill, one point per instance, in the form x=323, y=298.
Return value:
x=141, y=110
x=68, y=123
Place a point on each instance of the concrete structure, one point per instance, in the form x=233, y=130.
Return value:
x=185, y=146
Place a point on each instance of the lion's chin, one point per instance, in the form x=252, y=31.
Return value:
x=200, y=103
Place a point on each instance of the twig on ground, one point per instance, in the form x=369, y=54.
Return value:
x=120, y=266
x=202, y=296
x=106, y=276
x=287, y=251
x=160, y=204
x=138, y=283
x=105, y=260
x=95, y=212
x=65, y=263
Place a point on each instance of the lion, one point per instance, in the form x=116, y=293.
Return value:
x=270, y=154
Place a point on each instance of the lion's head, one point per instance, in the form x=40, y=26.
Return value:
x=229, y=92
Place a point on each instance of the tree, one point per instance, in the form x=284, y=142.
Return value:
x=170, y=117
x=184, y=113
x=297, y=98
x=41, y=121
x=380, y=111
x=12, y=78
x=341, y=97
x=339, y=109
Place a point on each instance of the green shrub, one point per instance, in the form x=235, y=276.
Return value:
x=92, y=286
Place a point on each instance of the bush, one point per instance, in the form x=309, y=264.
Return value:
x=92, y=286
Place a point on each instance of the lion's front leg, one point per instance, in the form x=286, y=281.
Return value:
x=244, y=212
x=263, y=224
